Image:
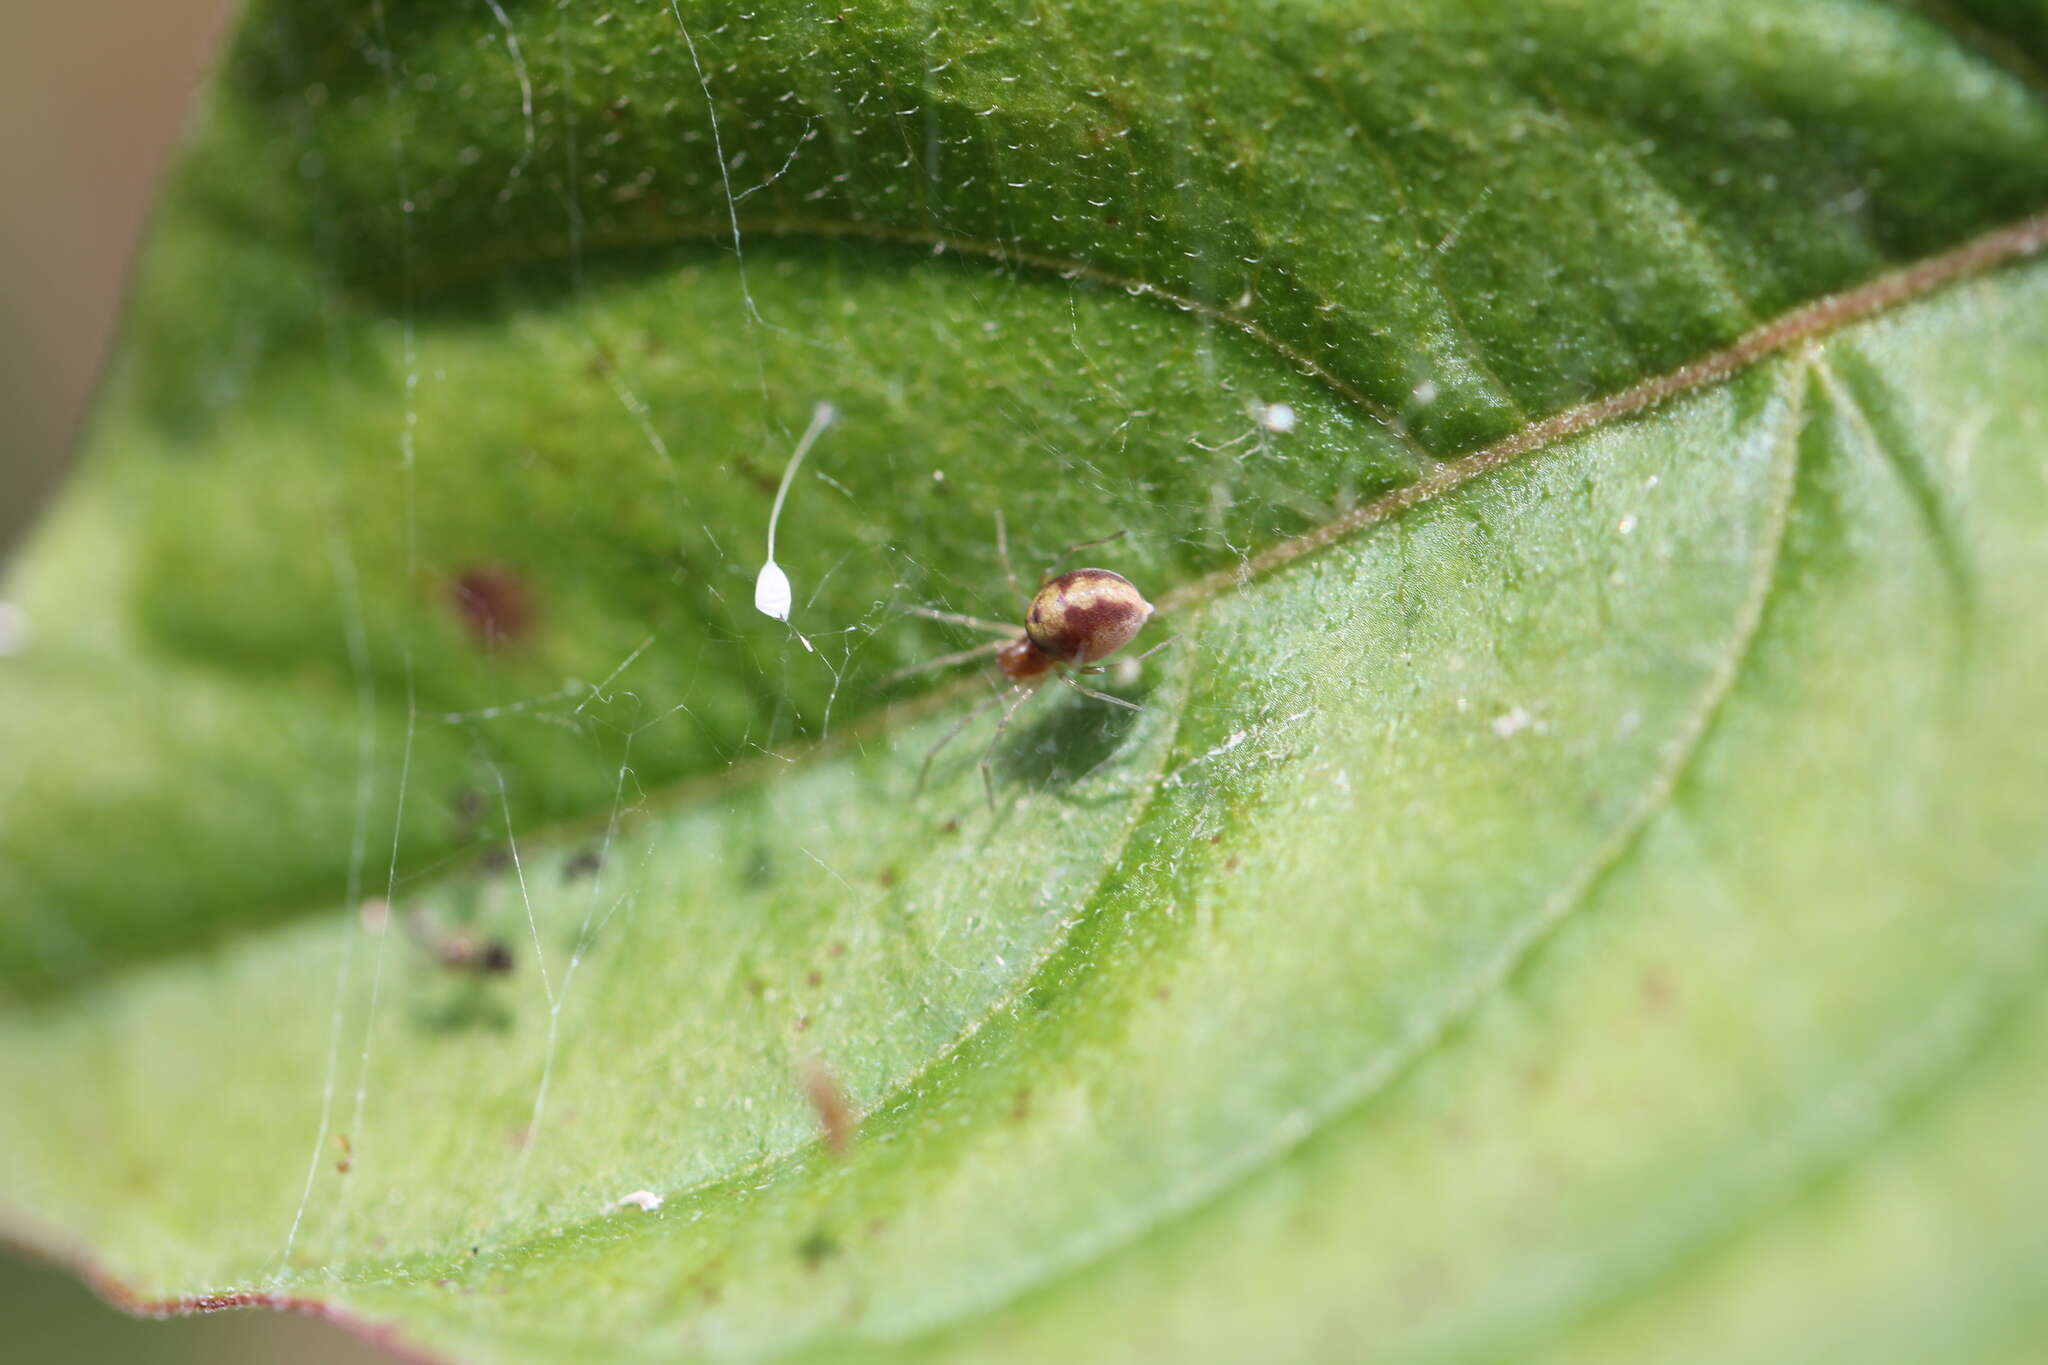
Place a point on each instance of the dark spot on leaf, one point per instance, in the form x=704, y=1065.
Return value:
x=766, y=480
x=887, y=878
x=1020, y=1107
x=494, y=602
x=582, y=865
x=1230, y=863
x=460, y=950
x=817, y=1248
x=814, y=978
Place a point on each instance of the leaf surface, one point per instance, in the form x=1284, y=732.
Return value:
x=1573, y=888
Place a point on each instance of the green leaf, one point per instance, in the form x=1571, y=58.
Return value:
x=1573, y=888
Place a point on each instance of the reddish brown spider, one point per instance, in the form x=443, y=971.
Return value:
x=1074, y=620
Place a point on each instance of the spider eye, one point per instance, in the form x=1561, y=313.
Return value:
x=1085, y=615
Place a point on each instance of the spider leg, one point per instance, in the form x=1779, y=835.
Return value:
x=944, y=661
x=1172, y=639
x=955, y=618
x=1135, y=658
x=1099, y=696
x=1169, y=640
x=1053, y=568
x=951, y=734
x=988, y=755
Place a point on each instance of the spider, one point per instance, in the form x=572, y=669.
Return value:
x=1073, y=621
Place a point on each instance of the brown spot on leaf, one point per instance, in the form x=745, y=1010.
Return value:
x=828, y=1102
x=1658, y=990
x=494, y=602
x=460, y=950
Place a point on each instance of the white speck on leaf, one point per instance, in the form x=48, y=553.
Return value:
x=647, y=1201
x=13, y=629
x=1275, y=417
x=1511, y=724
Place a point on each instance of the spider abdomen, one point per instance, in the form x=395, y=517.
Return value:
x=1083, y=616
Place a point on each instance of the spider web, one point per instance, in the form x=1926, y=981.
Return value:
x=562, y=899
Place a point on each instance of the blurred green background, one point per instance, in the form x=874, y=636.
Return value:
x=92, y=98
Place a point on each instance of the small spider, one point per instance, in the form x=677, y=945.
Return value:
x=1074, y=620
